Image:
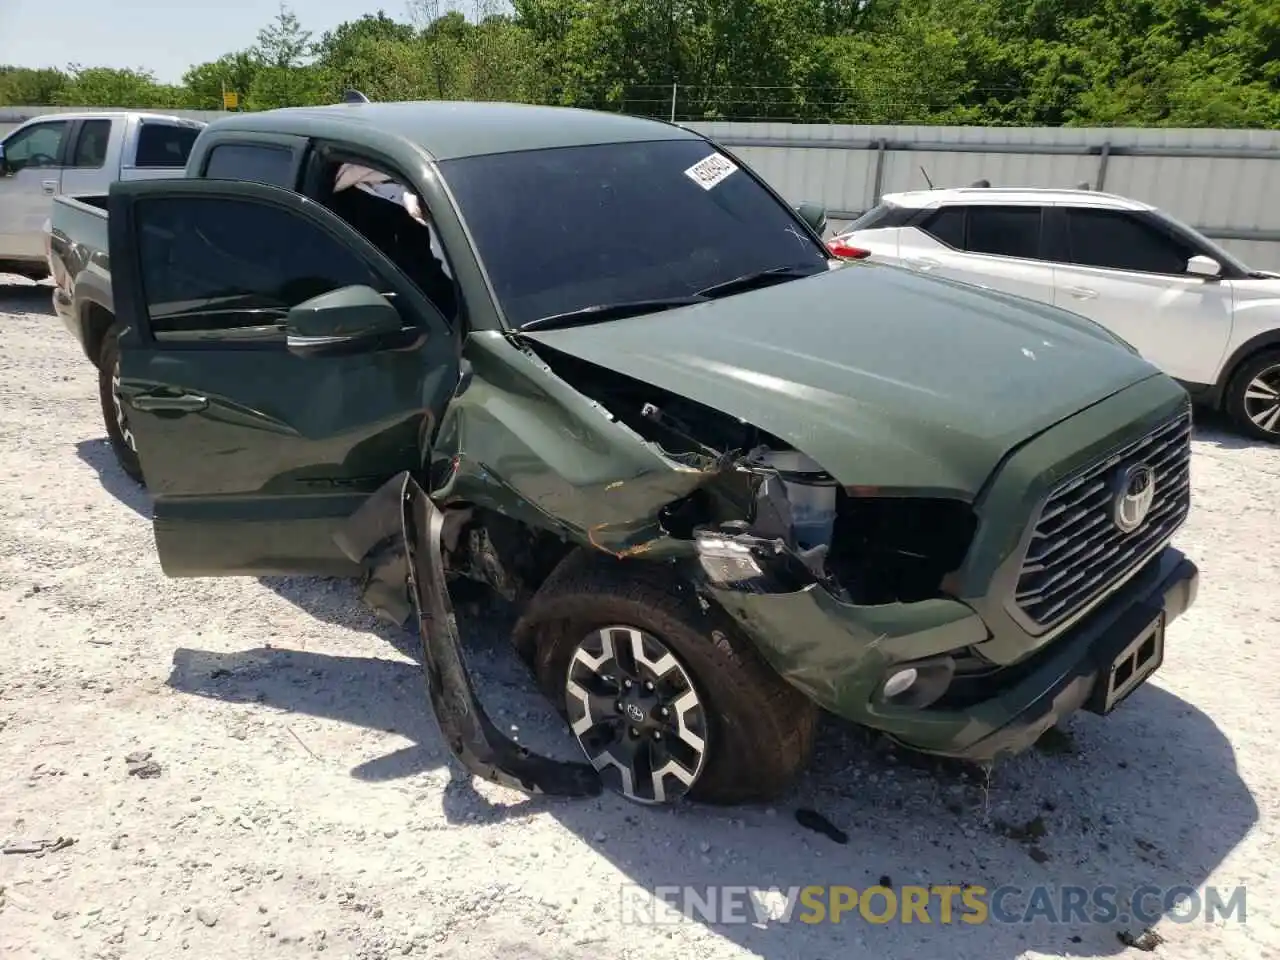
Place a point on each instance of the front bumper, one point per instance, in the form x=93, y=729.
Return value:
x=840, y=654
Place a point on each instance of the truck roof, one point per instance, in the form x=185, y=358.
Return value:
x=114, y=115
x=447, y=130
x=922, y=199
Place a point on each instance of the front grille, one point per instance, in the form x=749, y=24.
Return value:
x=1077, y=550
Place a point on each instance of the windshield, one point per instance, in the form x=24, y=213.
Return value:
x=562, y=229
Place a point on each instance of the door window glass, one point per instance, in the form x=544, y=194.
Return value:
x=164, y=144
x=91, y=144
x=1119, y=241
x=1004, y=231
x=232, y=269
x=39, y=145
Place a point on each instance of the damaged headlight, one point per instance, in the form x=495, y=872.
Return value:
x=734, y=558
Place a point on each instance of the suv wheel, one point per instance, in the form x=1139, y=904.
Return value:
x=664, y=697
x=1253, y=400
x=114, y=416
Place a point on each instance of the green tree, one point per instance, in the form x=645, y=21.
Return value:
x=234, y=72
x=283, y=43
x=28, y=87
x=111, y=87
x=1138, y=62
x=348, y=40
x=301, y=86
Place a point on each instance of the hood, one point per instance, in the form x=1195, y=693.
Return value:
x=885, y=378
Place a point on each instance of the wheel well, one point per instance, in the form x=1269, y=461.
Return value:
x=1244, y=353
x=97, y=320
x=504, y=553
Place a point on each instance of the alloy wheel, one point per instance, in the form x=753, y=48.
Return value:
x=1262, y=400
x=117, y=404
x=636, y=714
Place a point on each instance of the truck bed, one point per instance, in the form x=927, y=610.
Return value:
x=78, y=258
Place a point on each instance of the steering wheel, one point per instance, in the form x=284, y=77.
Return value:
x=41, y=160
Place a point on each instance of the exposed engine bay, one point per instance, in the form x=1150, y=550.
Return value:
x=866, y=549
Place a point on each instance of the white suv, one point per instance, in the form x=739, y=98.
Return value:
x=1183, y=302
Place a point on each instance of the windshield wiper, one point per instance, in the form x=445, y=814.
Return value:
x=760, y=278
x=599, y=312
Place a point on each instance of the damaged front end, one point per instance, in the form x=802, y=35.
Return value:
x=398, y=535
x=540, y=455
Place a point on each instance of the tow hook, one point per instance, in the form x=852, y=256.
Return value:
x=397, y=536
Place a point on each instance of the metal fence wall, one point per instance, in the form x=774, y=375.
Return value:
x=1224, y=182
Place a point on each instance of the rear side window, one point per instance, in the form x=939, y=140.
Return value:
x=1120, y=241
x=260, y=163
x=164, y=144
x=91, y=144
x=1004, y=231
x=998, y=231
x=234, y=266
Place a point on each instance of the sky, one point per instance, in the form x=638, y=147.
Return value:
x=153, y=34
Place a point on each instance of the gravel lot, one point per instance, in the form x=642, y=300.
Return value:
x=301, y=801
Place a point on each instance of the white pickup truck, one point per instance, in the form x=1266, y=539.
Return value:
x=75, y=154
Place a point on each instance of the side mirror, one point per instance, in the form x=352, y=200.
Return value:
x=348, y=320
x=815, y=215
x=4, y=167
x=1202, y=266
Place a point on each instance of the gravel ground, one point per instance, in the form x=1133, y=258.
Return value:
x=247, y=768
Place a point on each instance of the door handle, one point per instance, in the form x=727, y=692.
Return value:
x=923, y=264
x=49, y=187
x=184, y=402
x=1080, y=293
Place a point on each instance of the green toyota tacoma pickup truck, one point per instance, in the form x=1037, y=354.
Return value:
x=597, y=364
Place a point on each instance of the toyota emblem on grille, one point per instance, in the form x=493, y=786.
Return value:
x=1135, y=489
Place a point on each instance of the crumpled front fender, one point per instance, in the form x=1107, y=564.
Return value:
x=397, y=535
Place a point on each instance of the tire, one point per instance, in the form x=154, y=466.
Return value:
x=1253, y=398
x=757, y=731
x=113, y=416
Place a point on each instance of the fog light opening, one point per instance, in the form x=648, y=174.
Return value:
x=900, y=682
x=919, y=685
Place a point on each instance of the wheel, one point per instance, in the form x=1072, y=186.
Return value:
x=1253, y=400
x=665, y=698
x=113, y=412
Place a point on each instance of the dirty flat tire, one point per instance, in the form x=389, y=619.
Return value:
x=664, y=695
x=1253, y=398
x=114, y=417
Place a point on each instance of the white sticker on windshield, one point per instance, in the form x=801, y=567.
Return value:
x=711, y=171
